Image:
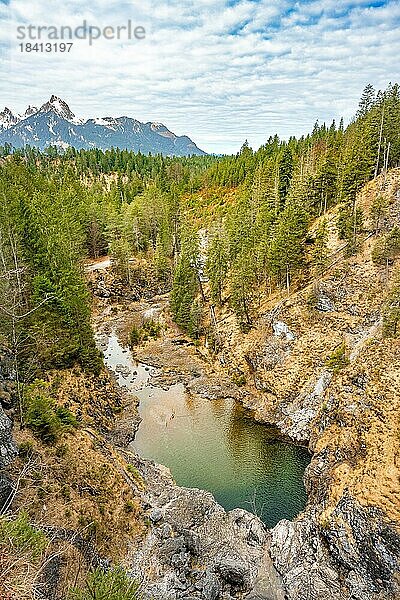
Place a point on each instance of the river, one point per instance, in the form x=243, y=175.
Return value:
x=213, y=444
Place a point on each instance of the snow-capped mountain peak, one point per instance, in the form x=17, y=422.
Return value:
x=7, y=119
x=108, y=122
x=61, y=108
x=54, y=124
x=31, y=110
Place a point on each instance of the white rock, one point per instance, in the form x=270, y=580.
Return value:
x=280, y=328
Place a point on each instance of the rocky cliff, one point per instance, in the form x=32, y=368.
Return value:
x=320, y=366
x=8, y=452
x=8, y=449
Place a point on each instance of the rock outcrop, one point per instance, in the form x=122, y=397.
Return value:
x=355, y=555
x=8, y=449
x=194, y=549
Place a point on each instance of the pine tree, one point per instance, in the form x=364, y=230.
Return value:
x=243, y=290
x=366, y=101
x=285, y=174
x=121, y=253
x=378, y=210
x=286, y=252
x=185, y=286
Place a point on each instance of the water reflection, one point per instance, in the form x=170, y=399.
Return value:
x=213, y=445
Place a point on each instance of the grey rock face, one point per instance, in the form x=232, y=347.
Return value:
x=325, y=304
x=281, y=329
x=8, y=449
x=254, y=531
x=212, y=389
x=299, y=414
x=300, y=557
x=156, y=515
x=5, y=490
x=366, y=547
x=268, y=585
x=233, y=570
x=211, y=587
x=353, y=557
x=197, y=550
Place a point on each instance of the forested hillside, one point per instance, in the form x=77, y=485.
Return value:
x=220, y=247
x=256, y=208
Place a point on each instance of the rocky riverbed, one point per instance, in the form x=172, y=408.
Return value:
x=339, y=550
x=193, y=548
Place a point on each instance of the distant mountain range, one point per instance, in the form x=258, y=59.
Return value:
x=54, y=124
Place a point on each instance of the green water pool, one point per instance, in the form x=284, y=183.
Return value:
x=214, y=445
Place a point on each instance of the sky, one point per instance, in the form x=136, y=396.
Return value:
x=220, y=71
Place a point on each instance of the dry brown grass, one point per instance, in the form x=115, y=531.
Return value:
x=80, y=482
x=363, y=440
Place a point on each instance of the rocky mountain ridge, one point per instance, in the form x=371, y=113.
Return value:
x=54, y=124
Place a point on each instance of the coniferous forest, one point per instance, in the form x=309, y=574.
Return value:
x=214, y=246
x=59, y=208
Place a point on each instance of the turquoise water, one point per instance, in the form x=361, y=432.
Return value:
x=215, y=446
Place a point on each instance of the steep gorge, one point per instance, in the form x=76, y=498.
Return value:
x=317, y=365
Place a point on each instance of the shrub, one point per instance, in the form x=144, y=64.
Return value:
x=312, y=298
x=338, y=359
x=135, y=474
x=42, y=419
x=26, y=450
x=66, y=416
x=61, y=450
x=22, y=536
x=129, y=506
x=133, y=470
x=150, y=329
x=378, y=210
x=91, y=359
x=387, y=248
x=45, y=419
x=107, y=585
x=239, y=380
x=391, y=312
x=134, y=336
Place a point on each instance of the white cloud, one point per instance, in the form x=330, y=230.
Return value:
x=217, y=70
